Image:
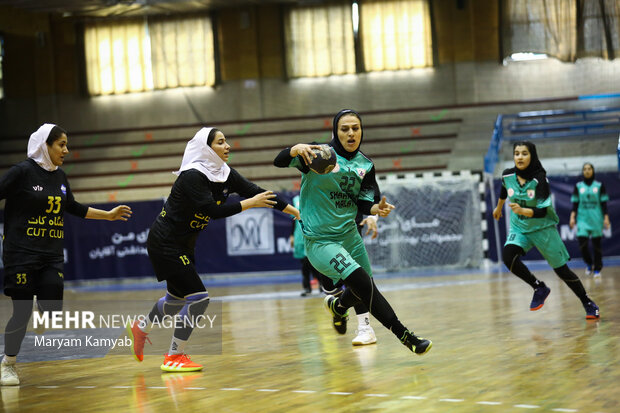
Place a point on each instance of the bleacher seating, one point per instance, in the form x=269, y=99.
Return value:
x=128, y=164
x=585, y=132
x=136, y=164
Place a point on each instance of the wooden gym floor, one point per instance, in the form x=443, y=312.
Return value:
x=280, y=353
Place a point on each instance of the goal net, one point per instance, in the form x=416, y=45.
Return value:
x=437, y=223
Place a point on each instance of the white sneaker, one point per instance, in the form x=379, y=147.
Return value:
x=8, y=374
x=588, y=271
x=365, y=335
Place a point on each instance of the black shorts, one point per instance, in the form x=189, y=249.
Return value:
x=178, y=270
x=32, y=281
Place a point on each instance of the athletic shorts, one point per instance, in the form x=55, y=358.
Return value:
x=31, y=281
x=337, y=259
x=589, y=232
x=178, y=270
x=546, y=240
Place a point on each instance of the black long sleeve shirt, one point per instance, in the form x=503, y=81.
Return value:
x=36, y=200
x=194, y=200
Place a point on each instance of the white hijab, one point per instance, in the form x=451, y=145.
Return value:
x=200, y=156
x=37, y=147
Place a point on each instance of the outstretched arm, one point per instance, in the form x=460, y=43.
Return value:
x=118, y=213
x=383, y=208
x=304, y=151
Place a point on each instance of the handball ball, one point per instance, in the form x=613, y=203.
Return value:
x=325, y=160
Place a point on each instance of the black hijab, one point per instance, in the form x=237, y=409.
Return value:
x=335, y=143
x=588, y=181
x=534, y=170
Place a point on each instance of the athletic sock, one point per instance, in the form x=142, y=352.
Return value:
x=363, y=320
x=177, y=346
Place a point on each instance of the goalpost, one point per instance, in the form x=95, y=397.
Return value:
x=438, y=222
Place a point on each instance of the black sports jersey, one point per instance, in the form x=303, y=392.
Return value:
x=36, y=201
x=193, y=201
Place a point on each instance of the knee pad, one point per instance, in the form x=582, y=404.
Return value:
x=170, y=304
x=197, y=303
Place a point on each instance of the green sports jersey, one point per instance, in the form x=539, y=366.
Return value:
x=589, y=212
x=329, y=202
x=526, y=197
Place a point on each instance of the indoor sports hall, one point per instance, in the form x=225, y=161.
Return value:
x=446, y=94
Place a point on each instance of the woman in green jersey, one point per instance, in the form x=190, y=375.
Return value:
x=590, y=215
x=533, y=223
x=329, y=204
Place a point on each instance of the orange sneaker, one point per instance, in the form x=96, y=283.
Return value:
x=179, y=363
x=138, y=337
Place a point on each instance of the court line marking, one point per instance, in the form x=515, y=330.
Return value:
x=490, y=403
x=279, y=295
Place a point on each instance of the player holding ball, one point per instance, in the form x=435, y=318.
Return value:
x=329, y=205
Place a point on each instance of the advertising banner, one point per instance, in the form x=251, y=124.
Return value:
x=254, y=240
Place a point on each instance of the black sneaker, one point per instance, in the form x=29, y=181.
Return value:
x=592, y=311
x=418, y=345
x=339, y=321
x=306, y=292
x=540, y=295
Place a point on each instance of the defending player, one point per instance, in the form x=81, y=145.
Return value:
x=533, y=224
x=37, y=196
x=329, y=204
x=198, y=195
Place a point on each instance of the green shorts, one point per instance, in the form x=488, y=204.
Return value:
x=587, y=231
x=338, y=258
x=546, y=240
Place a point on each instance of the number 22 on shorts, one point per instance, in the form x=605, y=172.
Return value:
x=339, y=262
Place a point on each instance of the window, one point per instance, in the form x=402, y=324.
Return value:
x=541, y=27
x=396, y=34
x=564, y=29
x=182, y=53
x=319, y=40
x=142, y=55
